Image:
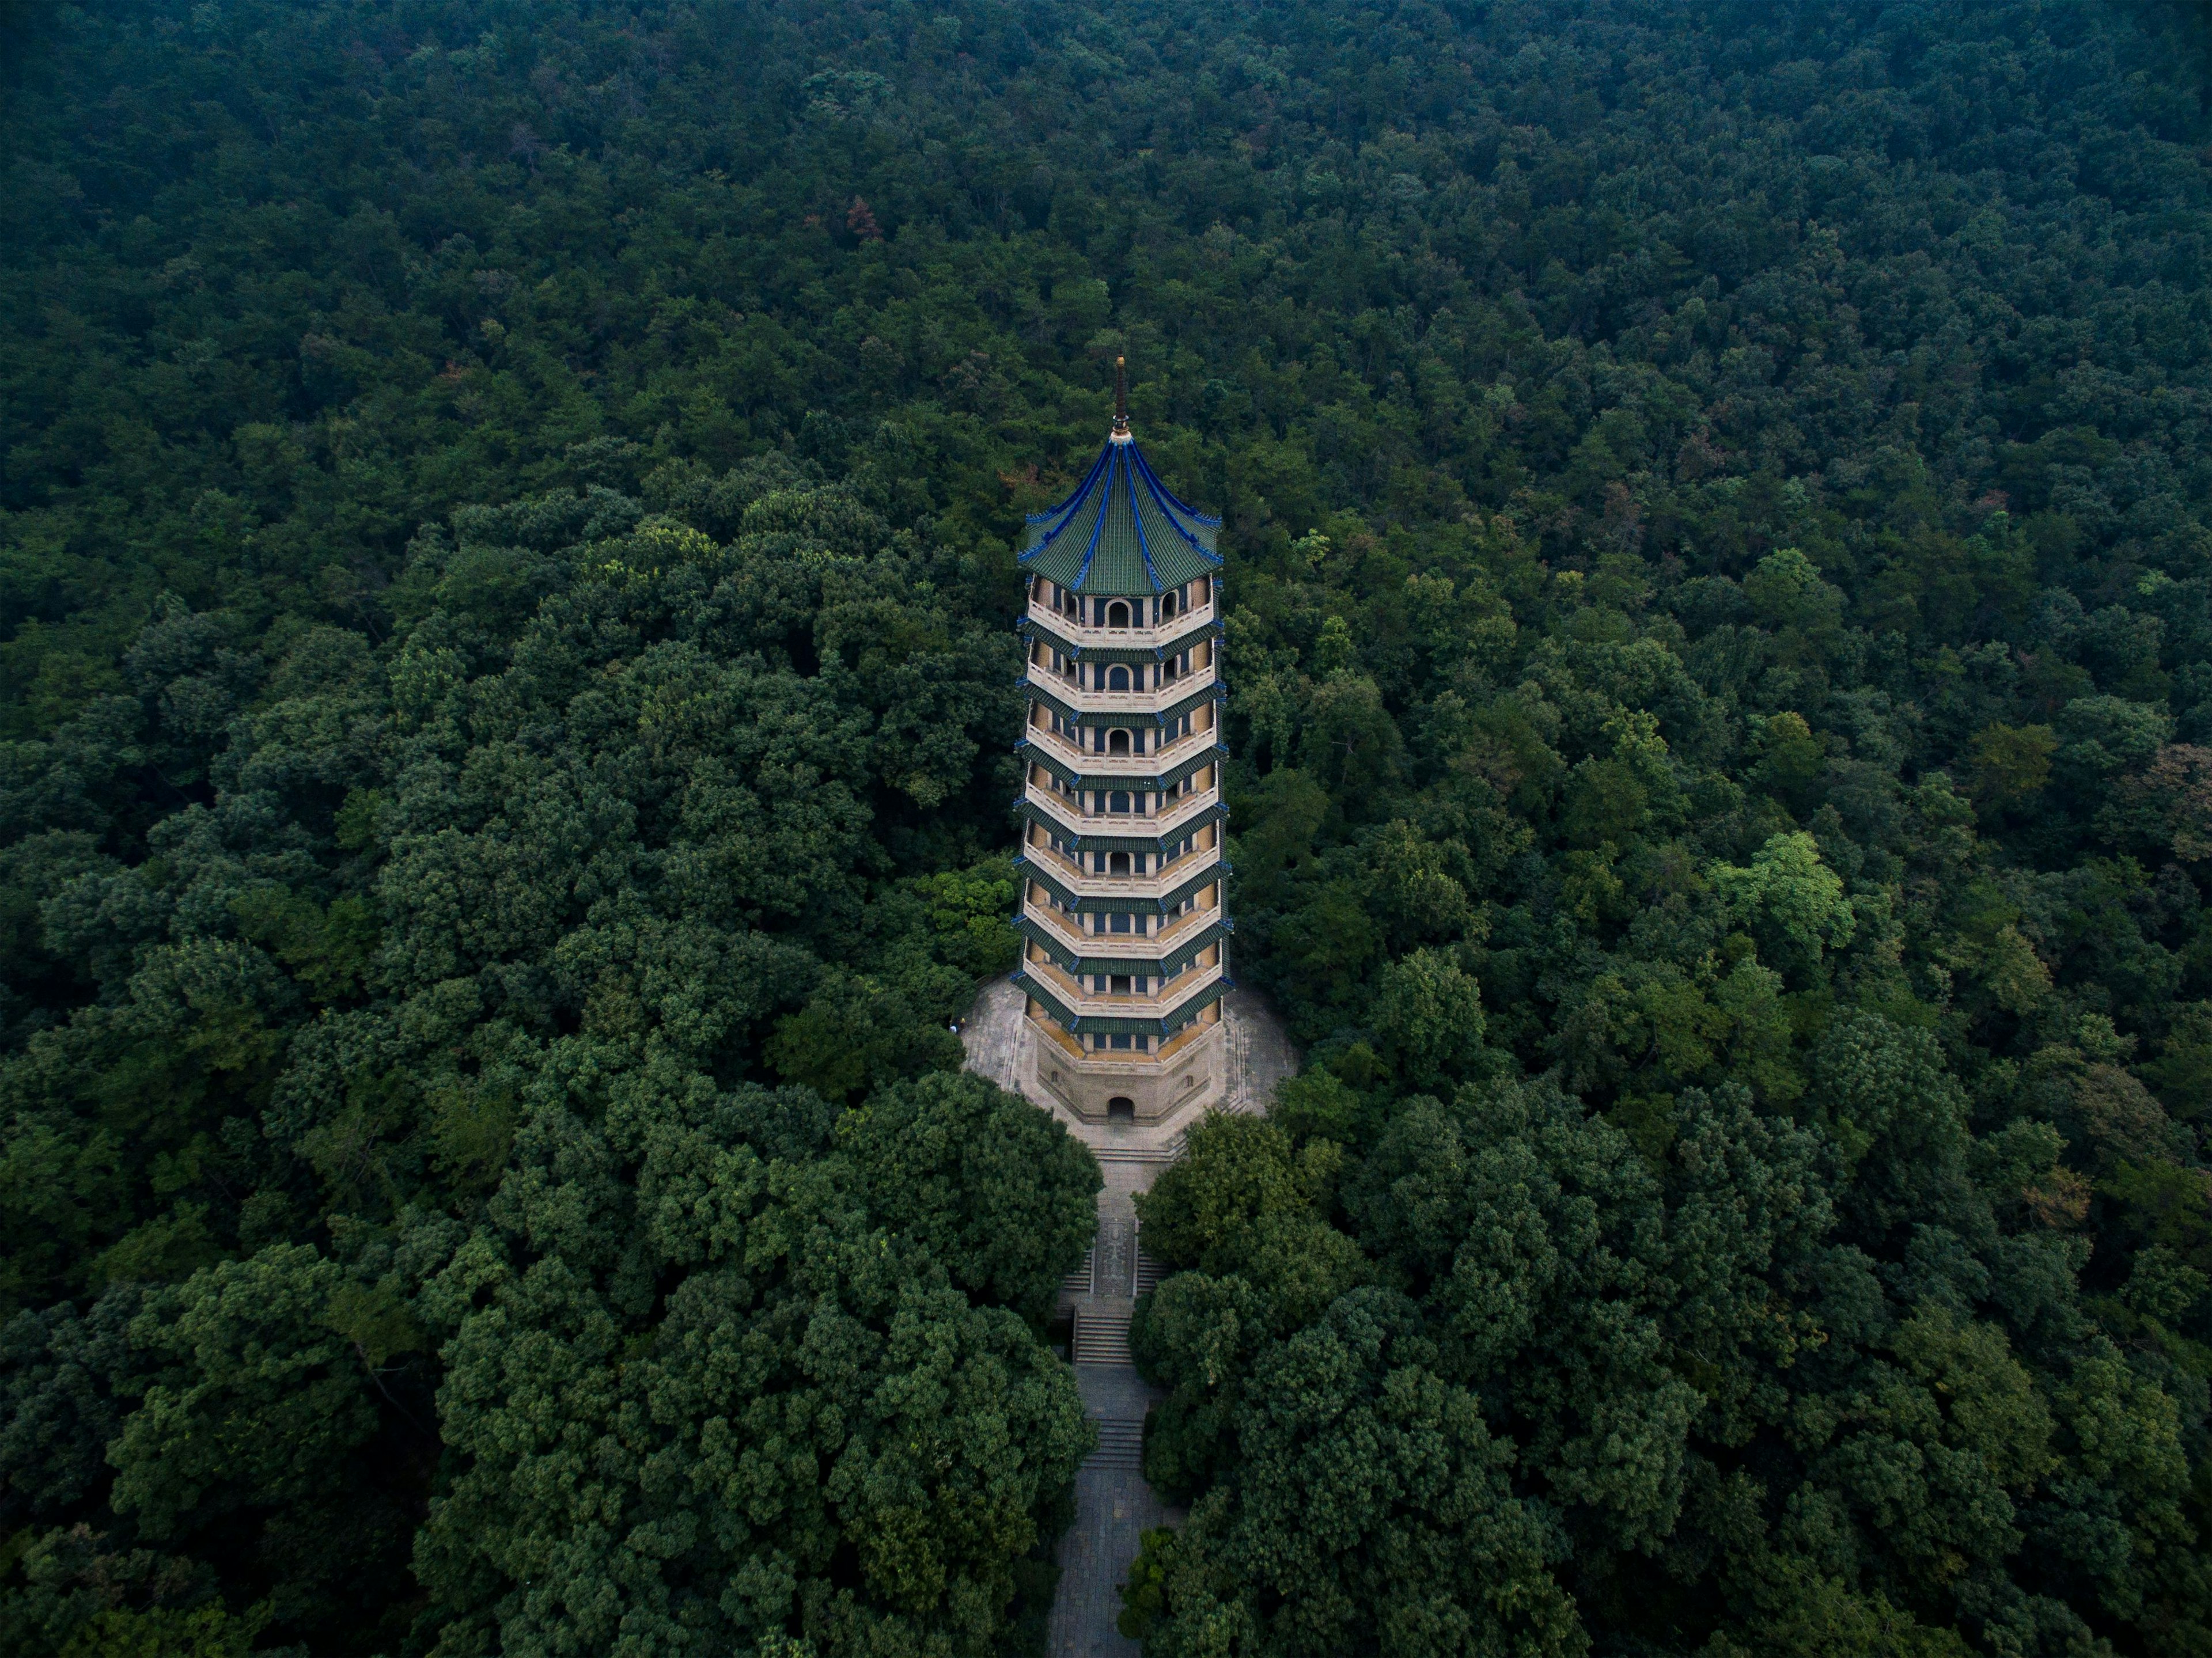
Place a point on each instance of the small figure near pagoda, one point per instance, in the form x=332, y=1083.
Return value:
x=1123, y=918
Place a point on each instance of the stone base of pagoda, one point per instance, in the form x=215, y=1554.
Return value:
x=1191, y=1077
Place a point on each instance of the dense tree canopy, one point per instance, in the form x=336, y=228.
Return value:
x=505, y=565
x=410, y=1250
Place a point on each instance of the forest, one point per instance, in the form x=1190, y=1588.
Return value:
x=507, y=690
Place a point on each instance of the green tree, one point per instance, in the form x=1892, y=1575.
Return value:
x=1375, y=1514
x=505, y=626
x=772, y=1329
x=1429, y=1017
x=982, y=1181
x=2011, y=764
x=1788, y=888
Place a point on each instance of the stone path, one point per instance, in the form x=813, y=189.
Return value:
x=1114, y=1506
x=993, y=1033
x=1260, y=1051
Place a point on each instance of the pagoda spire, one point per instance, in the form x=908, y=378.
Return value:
x=1121, y=400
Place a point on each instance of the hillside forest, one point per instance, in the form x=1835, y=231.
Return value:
x=506, y=687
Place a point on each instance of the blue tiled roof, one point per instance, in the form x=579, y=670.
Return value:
x=1122, y=532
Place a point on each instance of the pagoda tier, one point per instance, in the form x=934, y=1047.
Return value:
x=1123, y=922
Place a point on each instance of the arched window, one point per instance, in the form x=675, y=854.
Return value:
x=1117, y=863
x=1167, y=606
x=1117, y=741
x=1117, y=678
x=1117, y=801
x=1117, y=615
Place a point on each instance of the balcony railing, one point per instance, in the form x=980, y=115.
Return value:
x=1085, y=883
x=1165, y=942
x=1086, y=699
x=1075, y=821
x=1145, y=765
x=1156, y=637
x=1155, y=1004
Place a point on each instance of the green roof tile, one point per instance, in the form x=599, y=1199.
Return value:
x=1122, y=532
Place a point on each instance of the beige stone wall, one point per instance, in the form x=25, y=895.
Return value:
x=1189, y=1075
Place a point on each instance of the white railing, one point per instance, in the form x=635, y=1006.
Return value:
x=1089, y=762
x=1158, y=824
x=1092, y=700
x=1135, y=638
x=1089, y=883
x=1162, y=1004
x=1063, y=927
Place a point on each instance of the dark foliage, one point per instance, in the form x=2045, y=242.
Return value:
x=504, y=566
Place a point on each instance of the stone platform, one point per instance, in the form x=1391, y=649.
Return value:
x=998, y=1040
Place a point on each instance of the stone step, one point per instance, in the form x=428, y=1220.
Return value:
x=1149, y=1273
x=1167, y=1153
x=1120, y=1445
x=1084, y=1280
x=1101, y=1335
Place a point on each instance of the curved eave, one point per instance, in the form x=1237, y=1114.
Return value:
x=1048, y=526
x=1122, y=531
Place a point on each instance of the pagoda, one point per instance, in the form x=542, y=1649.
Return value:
x=1122, y=916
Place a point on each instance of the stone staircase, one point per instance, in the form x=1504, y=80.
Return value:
x=1120, y=1445
x=1113, y=1504
x=1143, y=1154
x=1084, y=1280
x=1148, y=1273
x=1101, y=1332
